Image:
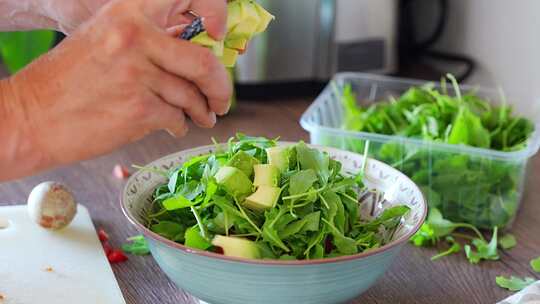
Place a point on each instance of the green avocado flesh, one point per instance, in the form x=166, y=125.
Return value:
x=266, y=175
x=264, y=198
x=236, y=247
x=279, y=157
x=244, y=162
x=234, y=181
x=246, y=18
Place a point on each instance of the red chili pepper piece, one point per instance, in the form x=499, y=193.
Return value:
x=103, y=236
x=121, y=172
x=116, y=256
x=107, y=248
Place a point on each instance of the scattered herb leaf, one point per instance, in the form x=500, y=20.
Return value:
x=514, y=283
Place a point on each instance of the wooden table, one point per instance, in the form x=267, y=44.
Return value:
x=413, y=278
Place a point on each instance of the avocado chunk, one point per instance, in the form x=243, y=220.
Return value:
x=219, y=48
x=236, y=44
x=229, y=57
x=266, y=175
x=234, y=14
x=245, y=19
x=234, y=181
x=279, y=157
x=237, y=247
x=249, y=23
x=264, y=198
x=204, y=40
x=264, y=18
x=244, y=162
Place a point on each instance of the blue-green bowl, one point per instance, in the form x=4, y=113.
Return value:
x=218, y=279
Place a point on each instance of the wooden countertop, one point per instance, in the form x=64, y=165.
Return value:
x=413, y=278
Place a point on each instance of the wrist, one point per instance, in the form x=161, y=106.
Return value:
x=20, y=152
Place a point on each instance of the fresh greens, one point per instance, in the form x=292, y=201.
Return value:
x=535, y=264
x=484, y=250
x=211, y=203
x=507, y=241
x=136, y=245
x=455, y=247
x=436, y=228
x=514, y=283
x=477, y=190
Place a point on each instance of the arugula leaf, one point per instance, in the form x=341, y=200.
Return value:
x=507, y=241
x=535, y=264
x=271, y=236
x=514, y=283
x=330, y=200
x=485, y=251
x=425, y=236
x=178, y=202
x=314, y=159
x=168, y=229
x=136, y=245
x=309, y=223
x=194, y=239
x=455, y=247
x=393, y=212
x=302, y=181
x=344, y=245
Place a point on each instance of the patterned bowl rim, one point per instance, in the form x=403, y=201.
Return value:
x=148, y=233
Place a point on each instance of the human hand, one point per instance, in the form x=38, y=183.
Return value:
x=117, y=78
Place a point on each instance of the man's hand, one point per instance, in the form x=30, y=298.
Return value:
x=116, y=79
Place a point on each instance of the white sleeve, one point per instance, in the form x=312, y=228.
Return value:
x=18, y=15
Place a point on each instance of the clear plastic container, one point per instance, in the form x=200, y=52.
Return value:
x=474, y=185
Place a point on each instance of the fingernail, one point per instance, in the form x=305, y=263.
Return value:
x=212, y=117
x=185, y=130
x=171, y=133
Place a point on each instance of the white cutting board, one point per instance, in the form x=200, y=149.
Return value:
x=38, y=266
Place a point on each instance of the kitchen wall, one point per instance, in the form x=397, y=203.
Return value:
x=504, y=38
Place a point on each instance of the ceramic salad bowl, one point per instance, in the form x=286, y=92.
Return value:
x=218, y=279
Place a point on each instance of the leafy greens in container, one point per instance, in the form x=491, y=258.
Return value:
x=467, y=154
x=258, y=200
x=466, y=188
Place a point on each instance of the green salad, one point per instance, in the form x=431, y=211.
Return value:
x=255, y=199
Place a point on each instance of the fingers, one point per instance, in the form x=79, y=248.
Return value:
x=160, y=11
x=167, y=12
x=169, y=118
x=214, y=13
x=176, y=30
x=184, y=95
x=194, y=63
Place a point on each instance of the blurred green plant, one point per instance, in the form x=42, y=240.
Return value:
x=18, y=49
